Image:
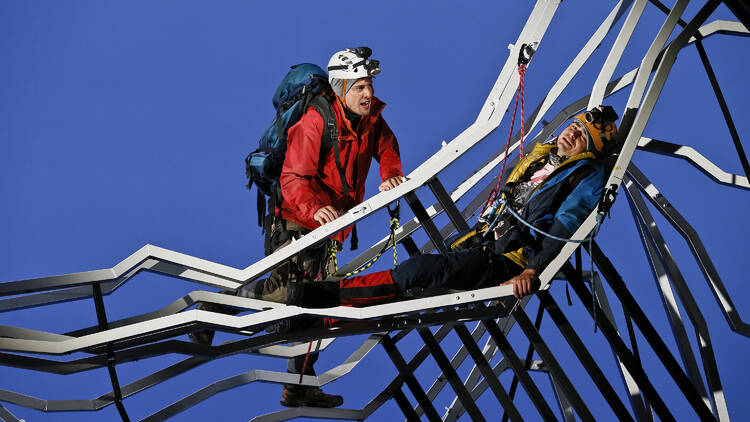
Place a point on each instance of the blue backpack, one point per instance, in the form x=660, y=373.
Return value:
x=305, y=85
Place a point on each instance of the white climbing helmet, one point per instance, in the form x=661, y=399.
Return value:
x=353, y=63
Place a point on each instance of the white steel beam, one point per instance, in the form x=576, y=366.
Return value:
x=615, y=53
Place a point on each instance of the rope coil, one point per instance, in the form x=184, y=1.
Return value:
x=393, y=225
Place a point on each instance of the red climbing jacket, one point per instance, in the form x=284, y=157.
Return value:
x=309, y=183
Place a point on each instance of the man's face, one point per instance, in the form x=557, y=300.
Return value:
x=572, y=140
x=359, y=97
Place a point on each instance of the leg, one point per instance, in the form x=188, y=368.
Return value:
x=466, y=269
x=307, y=265
x=286, y=284
x=454, y=270
x=272, y=289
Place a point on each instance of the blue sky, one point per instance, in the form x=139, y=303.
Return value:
x=126, y=123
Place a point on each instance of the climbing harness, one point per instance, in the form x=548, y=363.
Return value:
x=515, y=214
x=524, y=56
x=394, y=224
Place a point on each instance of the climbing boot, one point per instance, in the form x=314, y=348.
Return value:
x=205, y=337
x=287, y=292
x=302, y=395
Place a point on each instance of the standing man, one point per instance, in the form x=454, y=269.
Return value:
x=315, y=192
x=317, y=189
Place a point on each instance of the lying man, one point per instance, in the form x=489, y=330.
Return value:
x=554, y=188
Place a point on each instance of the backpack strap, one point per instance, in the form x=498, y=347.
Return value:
x=261, y=205
x=330, y=137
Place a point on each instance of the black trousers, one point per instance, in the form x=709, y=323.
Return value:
x=305, y=266
x=461, y=270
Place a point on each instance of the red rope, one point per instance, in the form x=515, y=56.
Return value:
x=522, y=73
x=519, y=94
x=304, y=364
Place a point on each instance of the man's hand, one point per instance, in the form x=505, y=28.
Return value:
x=522, y=283
x=326, y=214
x=391, y=183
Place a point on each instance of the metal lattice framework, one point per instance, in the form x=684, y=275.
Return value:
x=138, y=337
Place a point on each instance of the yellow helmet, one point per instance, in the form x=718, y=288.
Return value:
x=600, y=126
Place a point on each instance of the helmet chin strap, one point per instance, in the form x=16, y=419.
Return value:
x=343, y=93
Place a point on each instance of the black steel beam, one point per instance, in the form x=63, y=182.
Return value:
x=583, y=355
x=101, y=316
x=418, y=359
x=618, y=345
x=410, y=245
x=450, y=373
x=724, y=108
x=518, y=368
x=405, y=406
x=489, y=375
x=424, y=219
x=410, y=379
x=527, y=361
x=741, y=9
x=649, y=333
x=634, y=347
x=624, y=354
x=448, y=205
x=552, y=364
x=666, y=11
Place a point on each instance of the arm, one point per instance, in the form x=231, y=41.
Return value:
x=301, y=167
x=522, y=282
x=387, y=155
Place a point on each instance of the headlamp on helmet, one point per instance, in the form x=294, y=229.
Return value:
x=353, y=63
x=599, y=117
x=372, y=66
x=600, y=126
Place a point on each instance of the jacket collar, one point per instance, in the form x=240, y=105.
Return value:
x=539, y=152
x=376, y=108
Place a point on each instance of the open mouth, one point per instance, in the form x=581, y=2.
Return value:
x=365, y=104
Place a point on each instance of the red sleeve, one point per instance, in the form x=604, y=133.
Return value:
x=301, y=165
x=387, y=154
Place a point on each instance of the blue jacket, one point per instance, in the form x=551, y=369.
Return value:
x=558, y=206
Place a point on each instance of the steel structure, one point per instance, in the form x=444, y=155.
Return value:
x=112, y=343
